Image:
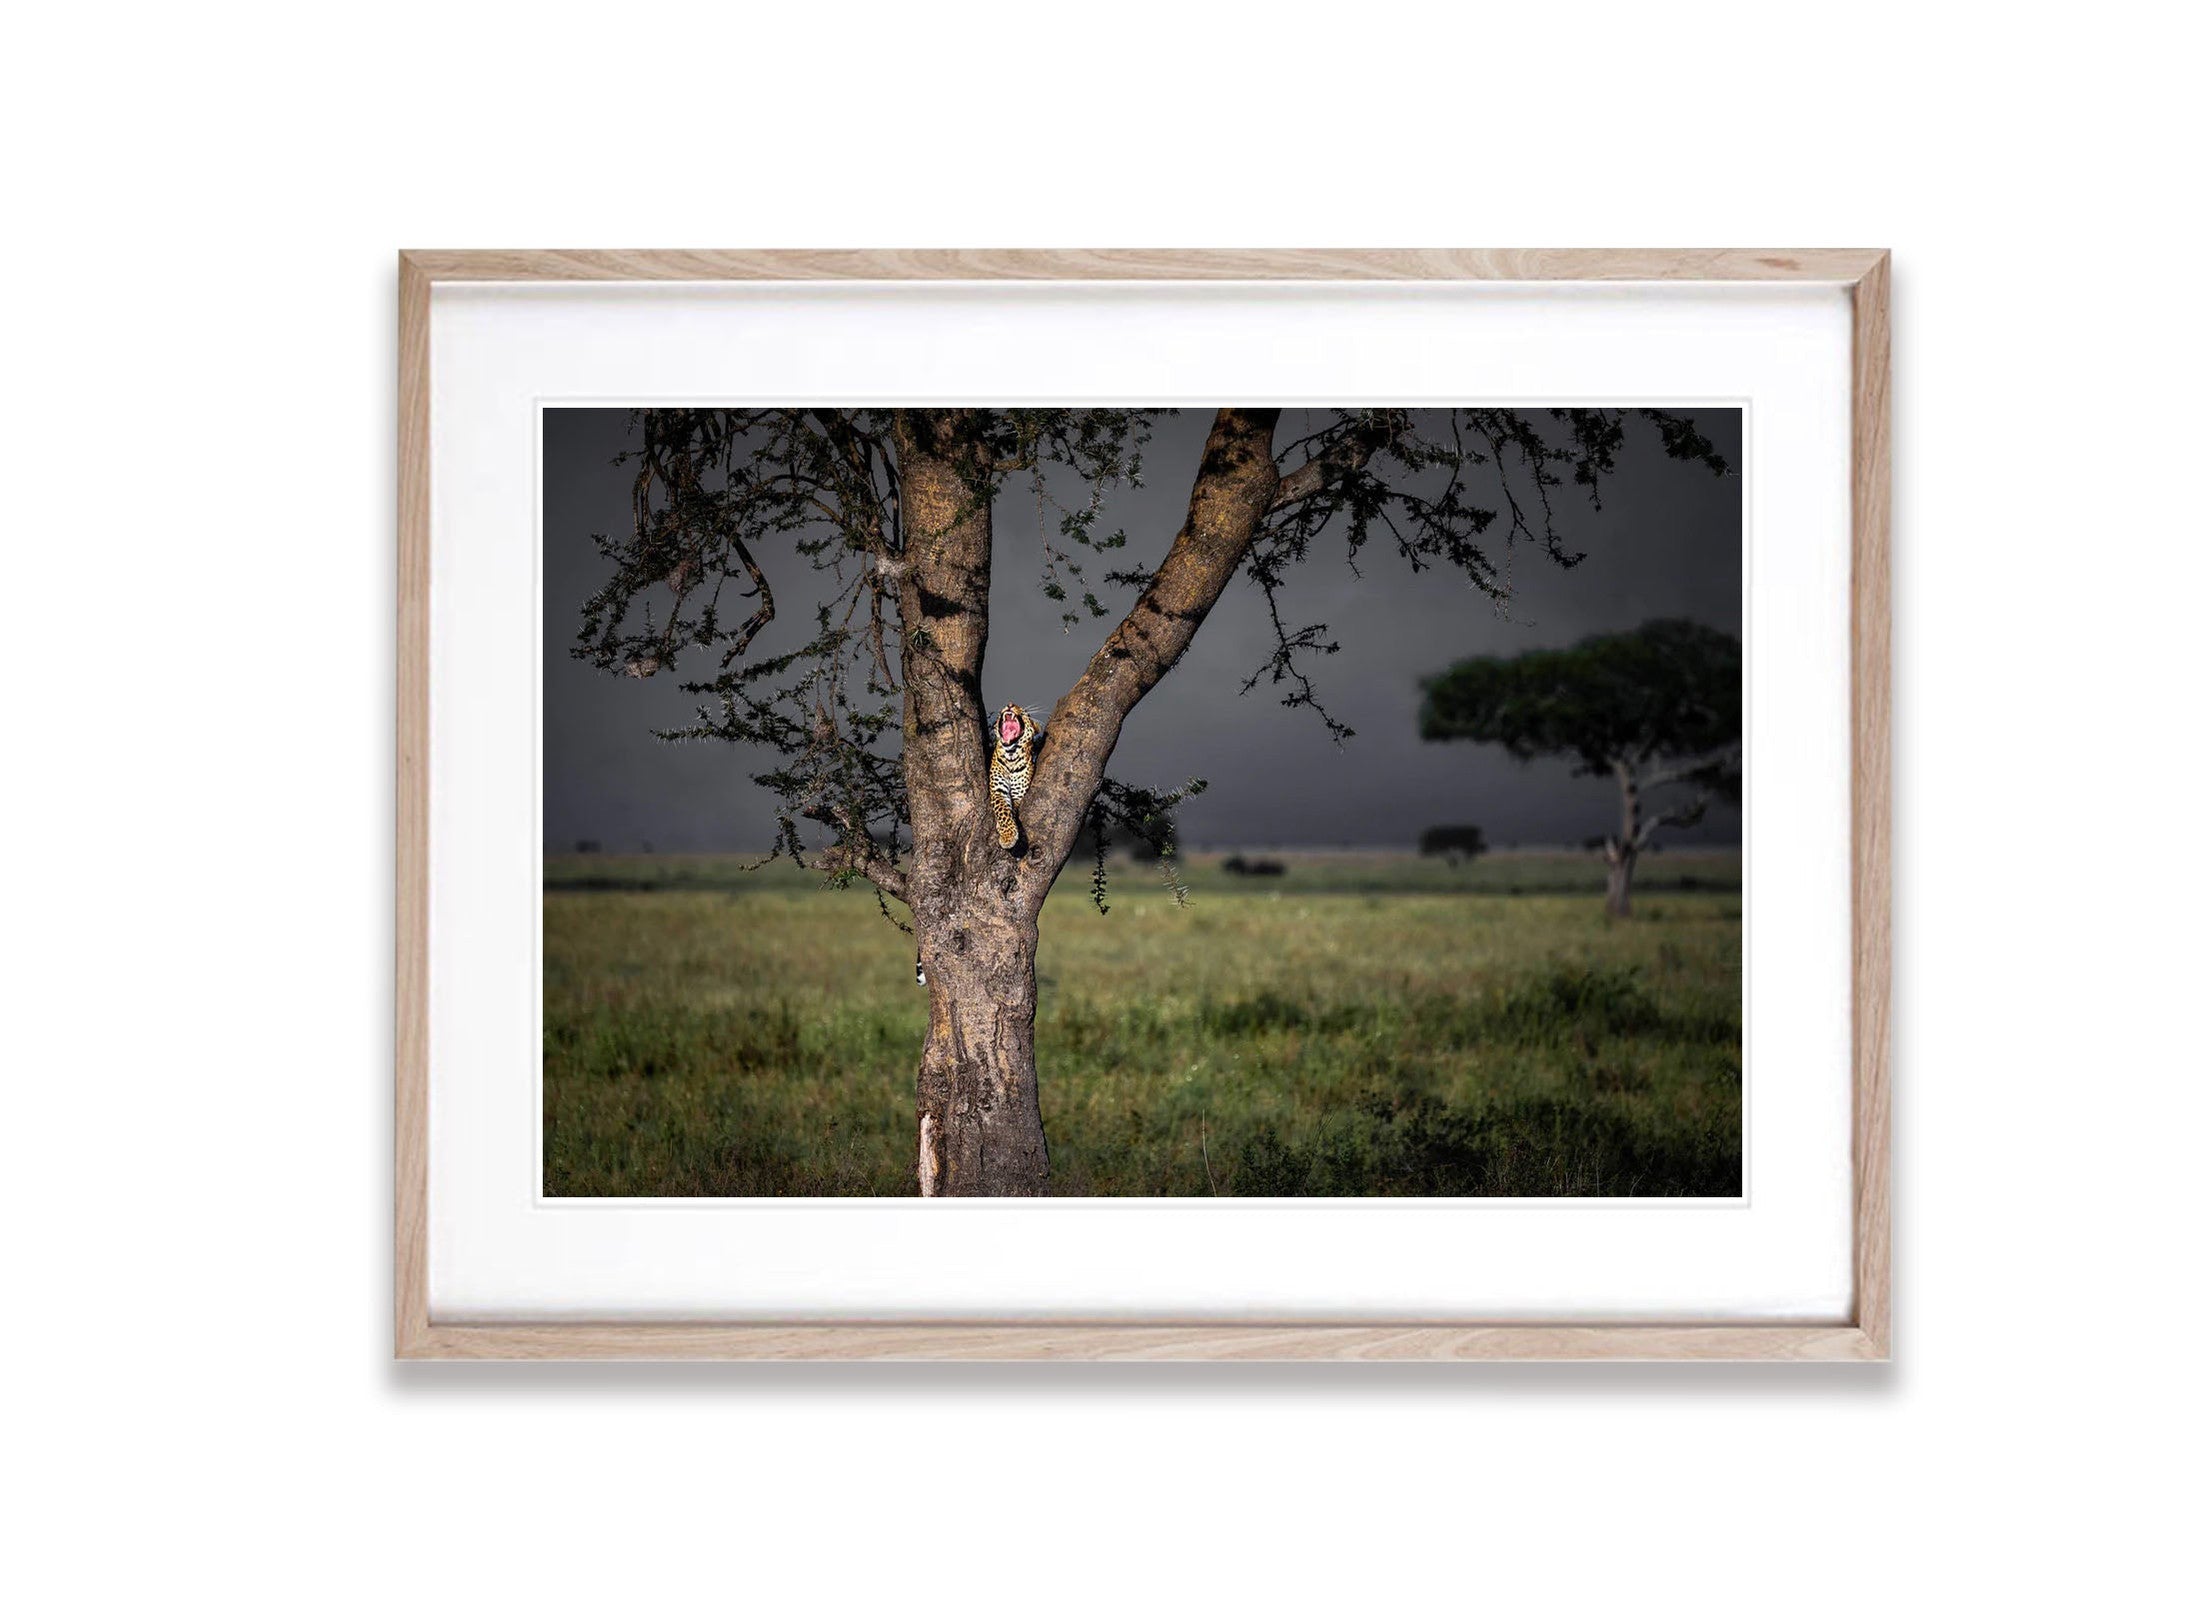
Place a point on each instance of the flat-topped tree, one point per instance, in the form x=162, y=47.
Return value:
x=1457, y=843
x=1657, y=709
x=873, y=704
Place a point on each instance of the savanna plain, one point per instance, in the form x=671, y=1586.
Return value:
x=1357, y=1025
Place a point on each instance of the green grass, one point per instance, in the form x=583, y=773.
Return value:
x=1364, y=1025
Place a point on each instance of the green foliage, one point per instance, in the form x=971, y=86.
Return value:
x=1660, y=706
x=1145, y=816
x=1666, y=689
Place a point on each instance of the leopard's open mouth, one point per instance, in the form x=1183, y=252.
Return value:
x=1010, y=729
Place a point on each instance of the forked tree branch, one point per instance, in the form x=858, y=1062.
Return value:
x=1235, y=488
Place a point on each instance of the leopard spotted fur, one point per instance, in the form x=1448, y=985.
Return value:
x=1013, y=737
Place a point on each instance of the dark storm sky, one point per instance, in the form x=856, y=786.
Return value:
x=1667, y=543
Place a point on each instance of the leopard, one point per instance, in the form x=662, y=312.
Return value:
x=1013, y=739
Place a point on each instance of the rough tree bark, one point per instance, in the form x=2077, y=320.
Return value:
x=975, y=905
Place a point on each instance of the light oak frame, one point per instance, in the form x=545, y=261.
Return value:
x=1863, y=1336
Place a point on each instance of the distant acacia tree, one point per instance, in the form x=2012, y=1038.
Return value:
x=1659, y=709
x=873, y=704
x=1457, y=845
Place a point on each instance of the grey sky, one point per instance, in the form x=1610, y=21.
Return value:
x=1667, y=543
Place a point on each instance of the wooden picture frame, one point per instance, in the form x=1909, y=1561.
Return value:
x=1862, y=1336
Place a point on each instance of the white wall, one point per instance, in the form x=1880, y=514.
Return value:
x=199, y=371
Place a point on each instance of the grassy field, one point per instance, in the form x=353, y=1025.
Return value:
x=1363, y=1025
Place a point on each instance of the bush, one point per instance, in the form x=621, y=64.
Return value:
x=1240, y=866
x=1567, y=1001
x=1457, y=844
x=1548, y=1145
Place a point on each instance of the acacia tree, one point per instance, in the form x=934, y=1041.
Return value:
x=1659, y=709
x=874, y=709
x=1457, y=843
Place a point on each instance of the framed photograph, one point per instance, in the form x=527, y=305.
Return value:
x=1143, y=804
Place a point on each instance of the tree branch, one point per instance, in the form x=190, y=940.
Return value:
x=1665, y=774
x=1350, y=453
x=1679, y=816
x=1235, y=488
x=944, y=595
x=856, y=850
x=864, y=860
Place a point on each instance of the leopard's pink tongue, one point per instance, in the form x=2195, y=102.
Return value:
x=1011, y=730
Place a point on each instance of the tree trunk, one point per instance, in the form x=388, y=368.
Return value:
x=1618, y=883
x=1620, y=850
x=978, y=1129
x=976, y=905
